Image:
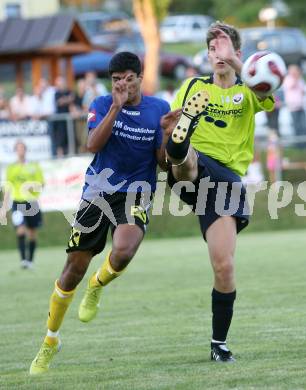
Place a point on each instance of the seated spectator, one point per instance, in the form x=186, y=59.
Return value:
x=20, y=105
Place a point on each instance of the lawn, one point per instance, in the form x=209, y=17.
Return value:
x=190, y=48
x=153, y=330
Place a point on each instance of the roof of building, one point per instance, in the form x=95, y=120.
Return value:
x=18, y=36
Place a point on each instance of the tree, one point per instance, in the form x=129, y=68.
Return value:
x=148, y=14
x=204, y=7
x=242, y=13
x=238, y=12
x=297, y=14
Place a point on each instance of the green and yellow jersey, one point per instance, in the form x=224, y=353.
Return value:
x=23, y=181
x=226, y=128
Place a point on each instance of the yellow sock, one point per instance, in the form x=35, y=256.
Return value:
x=51, y=340
x=105, y=274
x=59, y=302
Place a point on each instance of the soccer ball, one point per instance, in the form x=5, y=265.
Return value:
x=263, y=72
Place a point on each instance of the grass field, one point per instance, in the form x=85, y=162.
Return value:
x=153, y=331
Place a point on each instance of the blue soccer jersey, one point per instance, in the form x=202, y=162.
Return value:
x=127, y=162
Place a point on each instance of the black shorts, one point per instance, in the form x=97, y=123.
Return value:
x=216, y=192
x=93, y=219
x=26, y=213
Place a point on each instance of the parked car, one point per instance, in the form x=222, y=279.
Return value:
x=184, y=28
x=288, y=42
x=96, y=61
x=105, y=29
x=172, y=65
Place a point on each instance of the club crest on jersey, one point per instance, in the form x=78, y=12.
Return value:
x=237, y=99
x=91, y=116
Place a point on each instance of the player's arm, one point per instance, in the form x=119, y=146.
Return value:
x=167, y=123
x=7, y=190
x=98, y=137
x=6, y=197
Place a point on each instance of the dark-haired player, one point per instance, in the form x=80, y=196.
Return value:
x=125, y=133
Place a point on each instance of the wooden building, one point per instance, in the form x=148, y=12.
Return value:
x=44, y=42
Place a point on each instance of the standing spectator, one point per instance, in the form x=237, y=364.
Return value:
x=63, y=99
x=274, y=157
x=39, y=107
x=93, y=88
x=273, y=116
x=254, y=174
x=78, y=112
x=48, y=93
x=20, y=105
x=24, y=183
x=4, y=107
x=48, y=101
x=168, y=94
x=294, y=93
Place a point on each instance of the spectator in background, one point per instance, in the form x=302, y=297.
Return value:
x=254, y=174
x=93, y=89
x=168, y=94
x=20, y=105
x=294, y=94
x=39, y=107
x=48, y=93
x=63, y=100
x=48, y=100
x=5, y=112
x=78, y=112
x=273, y=116
x=191, y=72
x=24, y=183
x=274, y=157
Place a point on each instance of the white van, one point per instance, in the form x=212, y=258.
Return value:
x=184, y=28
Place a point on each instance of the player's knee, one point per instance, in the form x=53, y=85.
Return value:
x=76, y=266
x=184, y=174
x=123, y=253
x=224, y=267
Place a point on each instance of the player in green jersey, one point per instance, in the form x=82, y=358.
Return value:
x=24, y=181
x=211, y=148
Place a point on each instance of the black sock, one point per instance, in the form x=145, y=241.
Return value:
x=32, y=247
x=178, y=151
x=222, y=309
x=21, y=246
